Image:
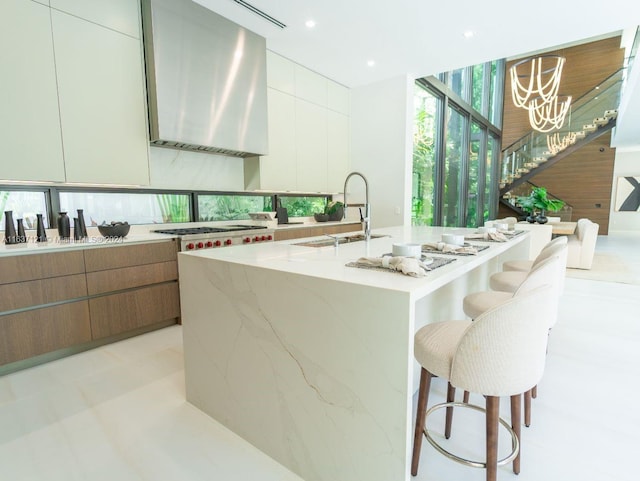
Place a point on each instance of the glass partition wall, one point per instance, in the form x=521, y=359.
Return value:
x=456, y=146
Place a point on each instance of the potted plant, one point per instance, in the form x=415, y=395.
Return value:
x=335, y=210
x=537, y=203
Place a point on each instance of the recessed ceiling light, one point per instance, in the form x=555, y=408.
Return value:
x=468, y=34
x=310, y=23
x=371, y=63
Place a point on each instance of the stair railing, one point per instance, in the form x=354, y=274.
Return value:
x=590, y=112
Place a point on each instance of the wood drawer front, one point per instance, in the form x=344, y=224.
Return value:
x=125, y=311
x=129, y=277
x=34, y=293
x=39, y=331
x=103, y=258
x=29, y=267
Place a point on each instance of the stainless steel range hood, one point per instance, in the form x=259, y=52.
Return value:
x=206, y=80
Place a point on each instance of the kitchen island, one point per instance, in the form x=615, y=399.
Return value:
x=312, y=361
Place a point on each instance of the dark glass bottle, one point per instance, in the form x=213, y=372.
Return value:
x=41, y=233
x=9, y=228
x=22, y=237
x=64, y=227
x=77, y=229
x=82, y=227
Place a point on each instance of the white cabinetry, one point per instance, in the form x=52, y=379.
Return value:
x=309, y=130
x=338, y=150
x=311, y=147
x=278, y=169
x=101, y=92
x=119, y=15
x=29, y=123
x=73, y=98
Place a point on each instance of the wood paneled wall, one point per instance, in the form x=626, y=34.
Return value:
x=583, y=179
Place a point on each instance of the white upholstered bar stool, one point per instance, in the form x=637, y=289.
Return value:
x=509, y=281
x=523, y=265
x=474, y=304
x=545, y=272
x=501, y=353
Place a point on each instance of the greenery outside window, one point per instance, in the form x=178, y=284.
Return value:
x=424, y=160
x=456, y=150
x=306, y=206
x=134, y=208
x=25, y=205
x=215, y=207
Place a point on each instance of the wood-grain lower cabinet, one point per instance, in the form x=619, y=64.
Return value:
x=58, y=303
x=39, y=331
x=132, y=286
x=126, y=311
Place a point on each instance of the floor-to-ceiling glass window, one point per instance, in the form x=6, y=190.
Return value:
x=475, y=182
x=427, y=116
x=455, y=155
x=453, y=167
x=491, y=176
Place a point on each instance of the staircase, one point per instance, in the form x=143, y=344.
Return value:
x=591, y=116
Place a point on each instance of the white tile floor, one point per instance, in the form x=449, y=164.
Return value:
x=118, y=412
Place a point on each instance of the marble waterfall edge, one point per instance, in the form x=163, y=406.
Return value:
x=326, y=393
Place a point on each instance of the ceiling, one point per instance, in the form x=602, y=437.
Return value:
x=419, y=37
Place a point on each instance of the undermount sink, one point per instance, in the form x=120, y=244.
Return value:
x=341, y=240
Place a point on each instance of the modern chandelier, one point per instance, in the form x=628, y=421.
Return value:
x=535, y=83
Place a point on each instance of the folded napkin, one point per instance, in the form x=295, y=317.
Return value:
x=494, y=236
x=443, y=247
x=407, y=265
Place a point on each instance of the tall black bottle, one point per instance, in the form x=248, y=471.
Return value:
x=82, y=227
x=22, y=236
x=64, y=226
x=9, y=228
x=41, y=234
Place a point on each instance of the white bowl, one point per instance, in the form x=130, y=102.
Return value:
x=501, y=226
x=453, y=239
x=487, y=230
x=406, y=250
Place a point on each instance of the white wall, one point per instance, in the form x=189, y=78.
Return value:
x=627, y=163
x=181, y=169
x=381, y=148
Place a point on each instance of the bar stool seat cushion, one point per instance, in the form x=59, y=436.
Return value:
x=435, y=345
x=478, y=302
x=517, y=265
x=507, y=281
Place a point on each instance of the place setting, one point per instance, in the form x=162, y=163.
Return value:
x=453, y=244
x=407, y=259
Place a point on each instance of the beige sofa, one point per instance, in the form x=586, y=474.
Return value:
x=582, y=245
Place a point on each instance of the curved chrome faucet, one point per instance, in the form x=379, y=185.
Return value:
x=366, y=219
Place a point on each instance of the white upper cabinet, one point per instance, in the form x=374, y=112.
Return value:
x=280, y=73
x=310, y=86
x=120, y=15
x=278, y=169
x=338, y=150
x=102, y=103
x=29, y=122
x=309, y=130
x=311, y=146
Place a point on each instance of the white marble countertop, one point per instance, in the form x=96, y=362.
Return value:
x=138, y=234
x=329, y=262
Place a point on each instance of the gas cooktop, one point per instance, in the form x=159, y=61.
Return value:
x=208, y=230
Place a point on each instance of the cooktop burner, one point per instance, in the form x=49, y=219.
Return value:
x=208, y=230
